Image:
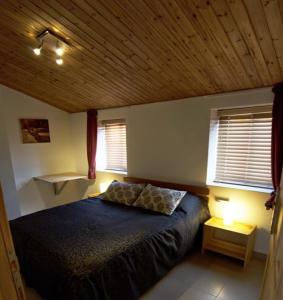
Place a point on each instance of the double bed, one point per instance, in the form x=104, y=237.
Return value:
x=94, y=249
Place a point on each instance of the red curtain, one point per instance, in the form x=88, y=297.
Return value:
x=277, y=142
x=91, y=142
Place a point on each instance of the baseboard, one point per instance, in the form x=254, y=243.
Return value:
x=259, y=255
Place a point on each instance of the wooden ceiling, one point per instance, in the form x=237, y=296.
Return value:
x=126, y=52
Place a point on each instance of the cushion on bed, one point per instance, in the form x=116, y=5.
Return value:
x=159, y=199
x=121, y=192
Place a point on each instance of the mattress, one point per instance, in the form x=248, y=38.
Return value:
x=93, y=249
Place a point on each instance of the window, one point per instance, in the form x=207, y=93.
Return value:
x=112, y=147
x=241, y=147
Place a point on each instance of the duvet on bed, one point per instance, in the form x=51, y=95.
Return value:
x=93, y=249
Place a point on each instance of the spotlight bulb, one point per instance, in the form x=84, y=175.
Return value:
x=59, y=61
x=59, y=51
x=37, y=51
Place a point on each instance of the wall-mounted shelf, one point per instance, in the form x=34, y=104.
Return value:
x=62, y=179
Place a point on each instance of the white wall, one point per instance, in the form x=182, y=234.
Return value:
x=169, y=141
x=29, y=160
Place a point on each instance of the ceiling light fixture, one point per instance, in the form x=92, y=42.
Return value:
x=59, y=49
x=54, y=42
x=59, y=61
x=37, y=51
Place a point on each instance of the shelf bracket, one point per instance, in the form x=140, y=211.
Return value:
x=58, y=189
x=59, y=181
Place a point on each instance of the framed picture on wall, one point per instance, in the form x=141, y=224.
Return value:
x=35, y=131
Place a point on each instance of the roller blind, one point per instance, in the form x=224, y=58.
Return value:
x=244, y=147
x=115, y=144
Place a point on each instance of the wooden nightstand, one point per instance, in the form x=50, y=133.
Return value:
x=93, y=195
x=212, y=240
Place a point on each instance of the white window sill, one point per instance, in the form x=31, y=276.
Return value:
x=113, y=171
x=241, y=187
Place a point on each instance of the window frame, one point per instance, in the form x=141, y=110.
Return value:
x=212, y=153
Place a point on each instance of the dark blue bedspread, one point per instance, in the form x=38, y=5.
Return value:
x=93, y=249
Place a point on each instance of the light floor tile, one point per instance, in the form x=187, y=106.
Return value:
x=205, y=277
x=196, y=295
x=166, y=289
x=209, y=285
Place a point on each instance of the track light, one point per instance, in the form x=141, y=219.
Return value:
x=59, y=49
x=54, y=42
x=59, y=61
x=37, y=51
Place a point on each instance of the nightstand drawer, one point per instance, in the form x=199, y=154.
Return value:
x=227, y=248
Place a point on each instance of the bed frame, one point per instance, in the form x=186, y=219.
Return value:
x=200, y=191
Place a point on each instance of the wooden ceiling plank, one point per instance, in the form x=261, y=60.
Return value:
x=16, y=85
x=101, y=23
x=23, y=84
x=49, y=84
x=227, y=20
x=275, y=24
x=164, y=41
x=87, y=23
x=186, y=55
x=28, y=60
x=103, y=56
x=59, y=74
x=117, y=43
x=241, y=17
x=127, y=52
x=108, y=83
x=119, y=32
x=149, y=18
x=65, y=76
x=280, y=4
x=173, y=72
x=98, y=75
x=66, y=9
x=30, y=82
x=209, y=58
x=95, y=74
x=258, y=19
x=196, y=46
x=185, y=52
x=187, y=16
x=199, y=25
x=130, y=37
x=215, y=28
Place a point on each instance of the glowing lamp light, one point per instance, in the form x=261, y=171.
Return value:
x=228, y=215
x=59, y=61
x=59, y=51
x=103, y=186
x=37, y=51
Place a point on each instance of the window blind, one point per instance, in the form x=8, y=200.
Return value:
x=244, y=147
x=115, y=144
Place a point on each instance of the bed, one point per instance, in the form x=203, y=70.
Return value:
x=93, y=249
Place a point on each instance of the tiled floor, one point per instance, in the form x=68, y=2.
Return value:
x=206, y=277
